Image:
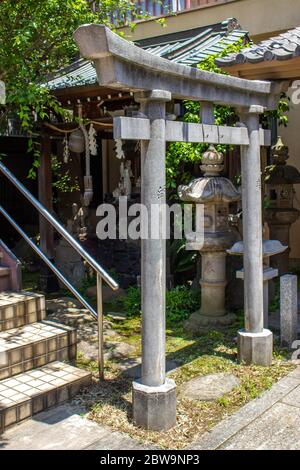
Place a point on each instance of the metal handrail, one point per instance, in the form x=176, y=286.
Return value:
x=64, y=233
x=101, y=273
x=48, y=262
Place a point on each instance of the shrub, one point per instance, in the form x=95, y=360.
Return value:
x=180, y=303
x=132, y=302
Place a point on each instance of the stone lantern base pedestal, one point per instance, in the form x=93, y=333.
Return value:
x=198, y=322
x=154, y=408
x=255, y=348
x=212, y=313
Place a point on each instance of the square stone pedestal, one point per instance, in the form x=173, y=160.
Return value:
x=255, y=348
x=154, y=408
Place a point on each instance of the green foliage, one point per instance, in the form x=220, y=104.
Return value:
x=280, y=113
x=36, y=38
x=181, y=157
x=181, y=259
x=180, y=303
x=209, y=63
x=177, y=157
x=132, y=302
x=62, y=181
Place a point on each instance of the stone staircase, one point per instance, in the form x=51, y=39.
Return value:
x=36, y=356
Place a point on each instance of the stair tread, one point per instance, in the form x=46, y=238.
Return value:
x=21, y=308
x=33, y=382
x=9, y=298
x=4, y=271
x=32, y=333
x=34, y=345
x=29, y=393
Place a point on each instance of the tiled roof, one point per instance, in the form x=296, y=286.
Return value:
x=185, y=47
x=283, y=47
x=195, y=46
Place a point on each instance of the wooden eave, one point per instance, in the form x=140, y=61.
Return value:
x=267, y=70
x=91, y=93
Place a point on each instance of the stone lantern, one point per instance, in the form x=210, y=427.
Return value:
x=215, y=193
x=269, y=248
x=281, y=214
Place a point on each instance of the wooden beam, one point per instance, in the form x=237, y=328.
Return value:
x=45, y=196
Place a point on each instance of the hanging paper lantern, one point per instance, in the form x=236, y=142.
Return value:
x=77, y=141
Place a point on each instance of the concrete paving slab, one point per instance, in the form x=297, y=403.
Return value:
x=293, y=398
x=277, y=429
x=64, y=428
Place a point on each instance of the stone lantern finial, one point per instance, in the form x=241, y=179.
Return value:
x=212, y=162
x=280, y=152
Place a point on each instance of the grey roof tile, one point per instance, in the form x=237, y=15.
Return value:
x=285, y=46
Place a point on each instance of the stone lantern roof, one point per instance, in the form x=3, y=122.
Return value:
x=211, y=188
x=280, y=173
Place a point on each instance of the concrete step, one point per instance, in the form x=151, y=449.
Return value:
x=5, y=278
x=30, y=346
x=34, y=391
x=20, y=308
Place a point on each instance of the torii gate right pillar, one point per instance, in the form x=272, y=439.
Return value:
x=255, y=344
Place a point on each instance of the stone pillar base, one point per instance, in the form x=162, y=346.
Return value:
x=198, y=322
x=255, y=348
x=154, y=408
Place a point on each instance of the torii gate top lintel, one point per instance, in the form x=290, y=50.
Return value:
x=121, y=64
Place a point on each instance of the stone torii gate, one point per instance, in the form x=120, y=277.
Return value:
x=155, y=81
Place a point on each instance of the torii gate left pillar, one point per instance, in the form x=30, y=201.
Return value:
x=154, y=396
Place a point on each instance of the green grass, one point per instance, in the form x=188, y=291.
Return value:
x=215, y=351
x=207, y=353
